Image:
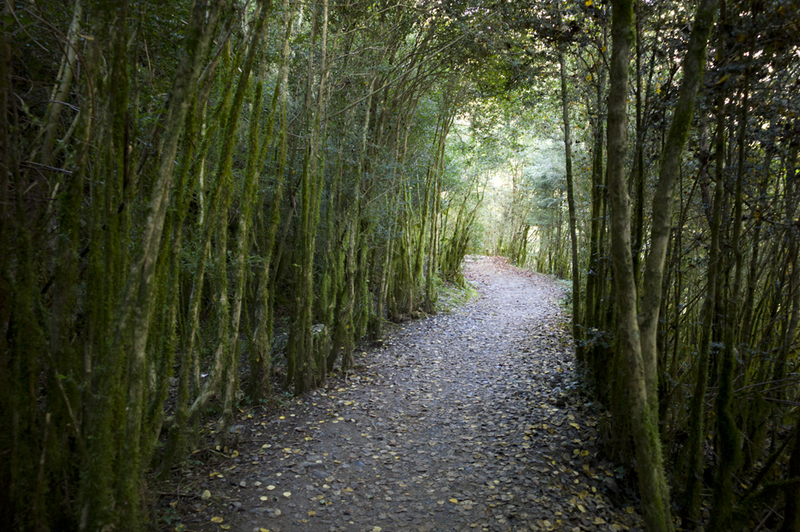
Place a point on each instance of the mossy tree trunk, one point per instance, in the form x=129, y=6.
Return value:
x=301, y=342
x=650, y=469
x=260, y=385
x=695, y=446
x=577, y=319
x=637, y=334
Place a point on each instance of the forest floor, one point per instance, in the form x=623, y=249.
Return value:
x=467, y=420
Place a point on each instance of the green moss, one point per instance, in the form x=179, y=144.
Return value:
x=451, y=296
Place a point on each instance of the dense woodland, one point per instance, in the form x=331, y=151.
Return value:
x=206, y=206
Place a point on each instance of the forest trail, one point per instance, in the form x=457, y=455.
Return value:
x=460, y=421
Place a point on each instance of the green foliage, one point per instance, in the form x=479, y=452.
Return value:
x=176, y=174
x=177, y=212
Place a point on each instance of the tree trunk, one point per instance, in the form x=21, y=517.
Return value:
x=301, y=346
x=576, y=281
x=697, y=412
x=728, y=437
x=693, y=66
x=248, y=200
x=261, y=358
x=649, y=461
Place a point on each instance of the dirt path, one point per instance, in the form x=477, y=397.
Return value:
x=462, y=421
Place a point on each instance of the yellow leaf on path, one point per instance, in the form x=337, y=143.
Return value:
x=263, y=497
x=287, y=494
x=629, y=509
x=454, y=501
x=225, y=527
x=263, y=530
x=589, y=3
x=216, y=519
x=599, y=521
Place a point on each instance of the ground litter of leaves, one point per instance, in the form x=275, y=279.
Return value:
x=460, y=421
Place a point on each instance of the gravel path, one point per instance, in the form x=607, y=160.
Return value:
x=461, y=421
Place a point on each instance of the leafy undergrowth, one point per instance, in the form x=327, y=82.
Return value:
x=460, y=421
x=453, y=296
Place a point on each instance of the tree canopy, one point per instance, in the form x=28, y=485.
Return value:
x=208, y=204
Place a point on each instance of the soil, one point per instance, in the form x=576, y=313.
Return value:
x=469, y=420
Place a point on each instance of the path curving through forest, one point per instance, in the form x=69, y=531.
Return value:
x=460, y=421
